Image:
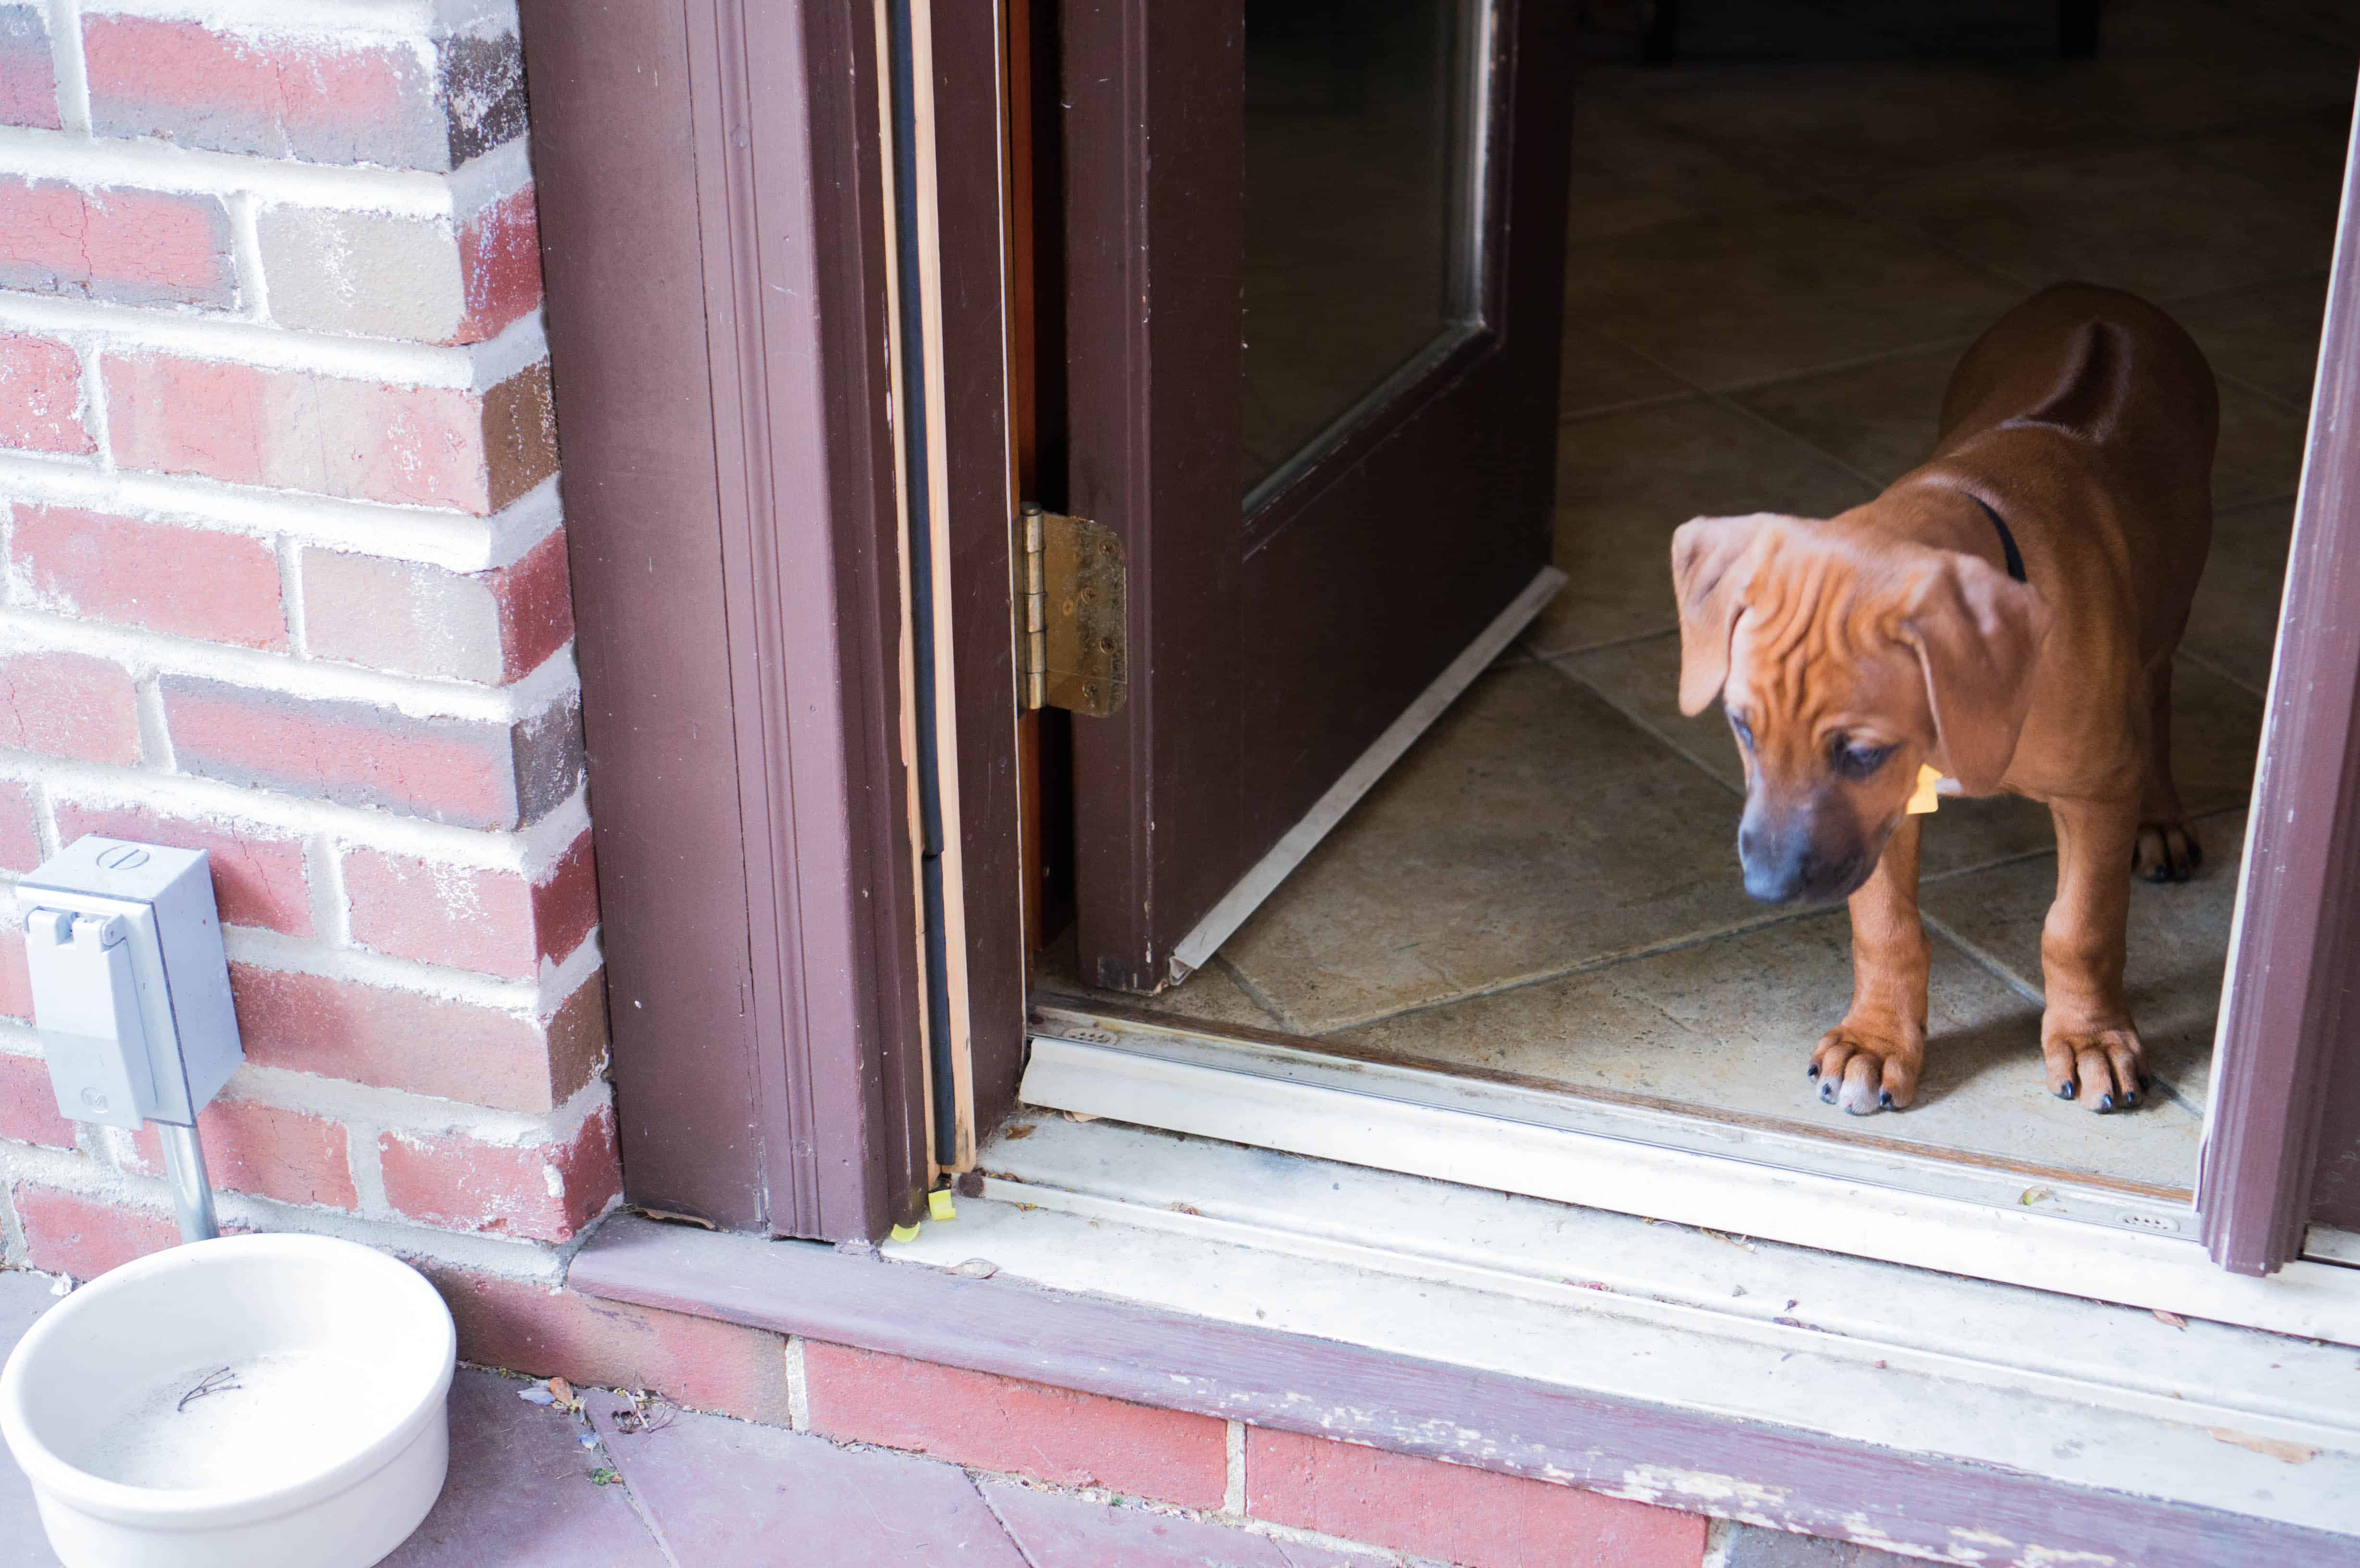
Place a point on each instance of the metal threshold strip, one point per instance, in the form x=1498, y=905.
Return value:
x=1837, y=1192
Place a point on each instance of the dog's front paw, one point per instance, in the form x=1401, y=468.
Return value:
x=2166, y=852
x=1865, y=1070
x=2105, y=1069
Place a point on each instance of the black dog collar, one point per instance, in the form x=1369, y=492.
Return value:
x=2006, y=540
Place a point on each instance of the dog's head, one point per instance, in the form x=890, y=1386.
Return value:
x=1845, y=660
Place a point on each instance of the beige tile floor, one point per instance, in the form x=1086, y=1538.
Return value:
x=1771, y=269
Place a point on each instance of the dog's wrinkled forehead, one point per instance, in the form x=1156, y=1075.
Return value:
x=1785, y=613
x=1814, y=636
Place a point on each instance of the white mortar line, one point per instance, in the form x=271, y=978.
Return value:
x=65, y=59
x=11, y=1235
x=356, y=1105
x=528, y=851
x=1233, y=1486
x=284, y=551
x=245, y=251
x=323, y=876
x=389, y=18
x=366, y=1106
x=306, y=956
x=365, y=1161
x=91, y=409
x=155, y=737
x=418, y=697
x=798, y=1385
x=128, y=328
x=511, y=1257
x=73, y=157
x=45, y=817
x=455, y=541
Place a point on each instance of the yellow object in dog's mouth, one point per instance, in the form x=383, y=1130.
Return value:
x=1924, y=800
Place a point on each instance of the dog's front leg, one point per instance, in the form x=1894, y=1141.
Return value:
x=2087, y=1039
x=1871, y=1060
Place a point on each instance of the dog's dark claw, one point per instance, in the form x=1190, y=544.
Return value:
x=2105, y=1103
x=1884, y=1098
x=2067, y=1092
x=1828, y=1092
x=2130, y=1098
x=1812, y=1071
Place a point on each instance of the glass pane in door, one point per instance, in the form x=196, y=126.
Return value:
x=1361, y=223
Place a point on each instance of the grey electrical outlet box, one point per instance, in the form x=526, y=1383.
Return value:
x=130, y=986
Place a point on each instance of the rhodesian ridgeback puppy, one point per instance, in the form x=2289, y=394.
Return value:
x=2004, y=613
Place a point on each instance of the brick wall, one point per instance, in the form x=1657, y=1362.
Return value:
x=284, y=578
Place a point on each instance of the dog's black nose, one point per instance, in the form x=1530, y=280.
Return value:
x=1789, y=863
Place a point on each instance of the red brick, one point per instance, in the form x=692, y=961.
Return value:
x=493, y=922
x=362, y=440
x=1024, y=1428
x=536, y=605
x=29, y=81
x=696, y=1363
x=15, y=974
x=69, y=705
x=423, y=1045
x=130, y=247
x=29, y=1107
x=328, y=100
x=472, y=772
x=1455, y=1513
x=68, y=1233
x=268, y=1151
x=189, y=581
x=416, y=619
x=499, y=265
x=259, y=877
x=40, y=396
x=20, y=828
x=545, y=1191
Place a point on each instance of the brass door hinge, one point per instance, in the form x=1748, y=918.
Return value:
x=1070, y=643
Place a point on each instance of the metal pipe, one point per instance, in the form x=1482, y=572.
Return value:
x=184, y=1170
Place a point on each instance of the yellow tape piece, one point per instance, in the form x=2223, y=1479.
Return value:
x=938, y=1203
x=1924, y=800
x=905, y=1233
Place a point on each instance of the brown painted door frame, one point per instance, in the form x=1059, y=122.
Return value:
x=2282, y=1148
x=711, y=196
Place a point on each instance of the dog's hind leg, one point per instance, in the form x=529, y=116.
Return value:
x=1871, y=1060
x=2165, y=849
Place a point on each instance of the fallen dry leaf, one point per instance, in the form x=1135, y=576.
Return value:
x=2033, y=1194
x=2275, y=1447
x=2174, y=1319
x=562, y=1389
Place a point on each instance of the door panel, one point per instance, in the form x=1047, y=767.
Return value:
x=1272, y=642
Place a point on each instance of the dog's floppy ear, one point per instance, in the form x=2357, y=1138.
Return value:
x=1710, y=571
x=1977, y=632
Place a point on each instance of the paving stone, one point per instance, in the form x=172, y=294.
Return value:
x=519, y=1495
x=1058, y=1532
x=724, y=1491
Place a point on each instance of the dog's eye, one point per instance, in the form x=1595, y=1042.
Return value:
x=1744, y=732
x=1860, y=761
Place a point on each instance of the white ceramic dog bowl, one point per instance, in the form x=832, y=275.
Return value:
x=258, y=1401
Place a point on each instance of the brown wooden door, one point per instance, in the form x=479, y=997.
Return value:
x=1314, y=258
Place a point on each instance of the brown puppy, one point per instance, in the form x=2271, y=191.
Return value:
x=2078, y=430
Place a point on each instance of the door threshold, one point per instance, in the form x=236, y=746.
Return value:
x=1848, y=1193
x=1926, y=1367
